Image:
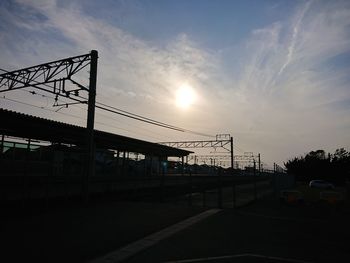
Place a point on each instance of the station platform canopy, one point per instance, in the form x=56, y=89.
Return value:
x=31, y=127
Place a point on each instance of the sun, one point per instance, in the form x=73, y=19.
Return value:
x=185, y=96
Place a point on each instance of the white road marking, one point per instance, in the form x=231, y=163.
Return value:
x=238, y=256
x=135, y=247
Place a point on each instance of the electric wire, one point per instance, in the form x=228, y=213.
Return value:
x=112, y=126
x=71, y=115
x=130, y=115
x=239, y=149
x=152, y=120
x=107, y=125
x=41, y=107
x=135, y=126
x=140, y=119
x=134, y=116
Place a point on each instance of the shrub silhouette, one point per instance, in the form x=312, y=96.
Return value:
x=320, y=165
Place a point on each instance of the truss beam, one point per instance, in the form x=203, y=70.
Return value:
x=222, y=140
x=50, y=77
x=198, y=144
x=226, y=157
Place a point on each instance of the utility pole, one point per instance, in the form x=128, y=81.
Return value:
x=90, y=122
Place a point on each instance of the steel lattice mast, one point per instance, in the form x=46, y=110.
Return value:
x=52, y=78
x=222, y=141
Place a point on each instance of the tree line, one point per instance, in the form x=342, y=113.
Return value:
x=318, y=164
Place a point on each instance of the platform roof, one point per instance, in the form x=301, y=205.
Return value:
x=32, y=127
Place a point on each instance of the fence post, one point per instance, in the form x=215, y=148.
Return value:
x=161, y=181
x=204, y=194
x=2, y=145
x=49, y=177
x=219, y=190
x=190, y=192
x=233, y=190
x=182, y=166
x=254, y=175
x=275, y=179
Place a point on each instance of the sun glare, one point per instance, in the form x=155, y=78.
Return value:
x=185, y=96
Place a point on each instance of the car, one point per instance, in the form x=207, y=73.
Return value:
x=292, y=197
x=321, y=184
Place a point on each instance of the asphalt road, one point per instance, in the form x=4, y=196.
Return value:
x=82, y=233
x=261, y=232
x=264, y=232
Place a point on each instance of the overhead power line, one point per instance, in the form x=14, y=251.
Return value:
x=137, y=118
x=66, y=114
x=112, y=109
x=136, y=115
x=147, y=120
x=131, y=115
x=41, y=107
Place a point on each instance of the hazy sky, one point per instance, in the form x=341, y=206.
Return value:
x=273, y=74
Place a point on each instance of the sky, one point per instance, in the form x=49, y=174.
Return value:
x=273, y=74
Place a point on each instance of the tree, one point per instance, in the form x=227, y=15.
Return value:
x=341, y=155
x=320, y=165
x=316, y=155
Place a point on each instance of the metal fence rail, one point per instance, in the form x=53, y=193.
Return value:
x=198, y=190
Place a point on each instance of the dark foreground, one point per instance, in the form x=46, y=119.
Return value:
x=262, y=232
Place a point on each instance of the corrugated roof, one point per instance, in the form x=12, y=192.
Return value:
x=27, y=126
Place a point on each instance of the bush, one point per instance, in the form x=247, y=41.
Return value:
x=319, y=165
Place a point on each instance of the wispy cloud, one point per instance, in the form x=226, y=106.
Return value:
x=286, y=83
x=299, y=17
x=275, y=91
x=132, y=72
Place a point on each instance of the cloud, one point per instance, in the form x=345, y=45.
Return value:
x=131, y=71
x=275, y=91
x=286, y=88
x=299, y=17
